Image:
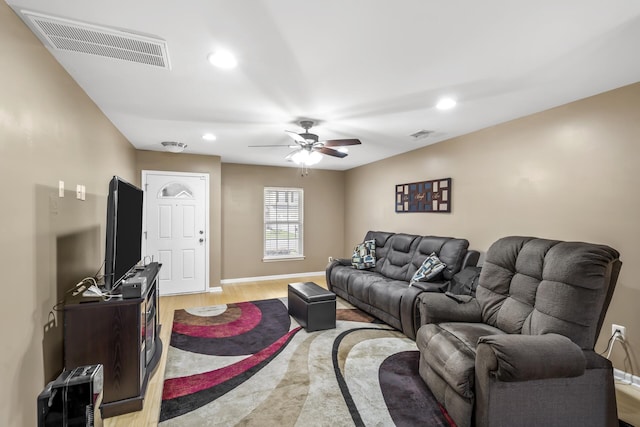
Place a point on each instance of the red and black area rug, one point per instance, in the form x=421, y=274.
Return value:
x=251, y=364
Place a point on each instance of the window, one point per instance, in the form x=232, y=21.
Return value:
x=283, y=212
x=175, y=190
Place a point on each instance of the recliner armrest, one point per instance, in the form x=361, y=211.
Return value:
x=514, y=357
x=438, y=307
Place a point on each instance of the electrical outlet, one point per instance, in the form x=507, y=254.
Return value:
x=621, y=329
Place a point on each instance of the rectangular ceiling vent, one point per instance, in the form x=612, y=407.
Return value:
x=422, y=134
x=76, y=36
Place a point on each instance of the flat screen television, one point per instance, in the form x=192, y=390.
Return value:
x=124, y=231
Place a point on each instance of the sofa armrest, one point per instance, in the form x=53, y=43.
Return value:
x=430, y=286
x=438, y=307
x=470, y=259
x=515, y=357
x=334, y=263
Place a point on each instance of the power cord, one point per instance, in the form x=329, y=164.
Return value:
x=617, y=336
x=94, y=280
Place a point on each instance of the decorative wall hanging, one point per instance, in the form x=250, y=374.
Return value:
x=425, y=196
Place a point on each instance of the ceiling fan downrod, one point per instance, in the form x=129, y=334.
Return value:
x=306, y=124
x=311, y=138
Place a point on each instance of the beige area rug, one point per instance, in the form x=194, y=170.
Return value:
x=251, y=364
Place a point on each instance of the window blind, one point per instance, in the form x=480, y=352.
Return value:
x=283, y=222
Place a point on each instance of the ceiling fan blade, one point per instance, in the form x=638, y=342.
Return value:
x=278, y=145
x=341, y=142
x=297, y=138
x=330, y=152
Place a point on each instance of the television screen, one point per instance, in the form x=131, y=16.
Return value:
x=124, y=231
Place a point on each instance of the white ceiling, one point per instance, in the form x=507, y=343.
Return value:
x=367, y=69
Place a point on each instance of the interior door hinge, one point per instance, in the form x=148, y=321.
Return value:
x=145, y=235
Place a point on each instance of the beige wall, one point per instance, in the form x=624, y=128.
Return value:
x=160, y=161
x=242, y=218
x=570, y=173
x=49, y=131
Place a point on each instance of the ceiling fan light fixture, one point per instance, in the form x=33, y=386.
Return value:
x=307, y=158
x=173, y=146
x=314, y=157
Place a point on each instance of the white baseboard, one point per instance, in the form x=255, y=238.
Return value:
x=278, y=277
x=626, y=377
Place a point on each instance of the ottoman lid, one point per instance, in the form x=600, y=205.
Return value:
x=311, y=292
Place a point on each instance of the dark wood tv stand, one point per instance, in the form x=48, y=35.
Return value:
x=120, y=334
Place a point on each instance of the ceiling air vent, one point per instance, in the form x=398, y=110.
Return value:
x=76, y=36
x=422, y=134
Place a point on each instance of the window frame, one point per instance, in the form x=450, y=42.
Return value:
x=300, y=223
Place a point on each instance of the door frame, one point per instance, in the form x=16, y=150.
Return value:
x=205, y=175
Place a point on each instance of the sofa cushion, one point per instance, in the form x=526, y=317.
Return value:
x=400, y=253
x=386, y=296
x=429, y=270
x=364, y=255
x=382, y=248
x=371, y=291
x=451, y=251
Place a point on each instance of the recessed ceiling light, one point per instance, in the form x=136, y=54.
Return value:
x=445, y=104
x=209, y=137
x=223, y=59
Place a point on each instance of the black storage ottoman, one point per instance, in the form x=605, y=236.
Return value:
x=313, y=307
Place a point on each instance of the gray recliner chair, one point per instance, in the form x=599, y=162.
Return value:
x=521, y=353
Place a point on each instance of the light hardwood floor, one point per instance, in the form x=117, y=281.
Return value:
x=628, y=400
x=628, y=397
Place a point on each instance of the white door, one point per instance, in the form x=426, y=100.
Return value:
x=176, y=233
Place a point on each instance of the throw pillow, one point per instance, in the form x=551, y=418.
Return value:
x=430, y=269
x=364, y=255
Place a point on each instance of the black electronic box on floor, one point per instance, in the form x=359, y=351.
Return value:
x=72, y=399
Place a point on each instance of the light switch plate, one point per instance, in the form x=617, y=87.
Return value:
x=79, y=192
x=60, y=188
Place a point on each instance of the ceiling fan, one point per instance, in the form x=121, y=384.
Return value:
x=308, y=147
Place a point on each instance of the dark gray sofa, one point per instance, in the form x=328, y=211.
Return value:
x=384, y=290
